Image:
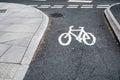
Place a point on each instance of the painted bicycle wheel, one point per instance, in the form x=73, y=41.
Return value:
x=89, y=39
x=65, y=39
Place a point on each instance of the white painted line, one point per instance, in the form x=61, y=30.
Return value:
x=42, y=7
x=102, y=6
x=83, y=1
x=45, y=5
x=71, y=7
x=33, y=5
x=39, y=0
x=57, y=6
x=87, y=6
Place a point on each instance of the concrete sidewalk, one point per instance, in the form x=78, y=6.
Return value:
x=112, y=13
x=21, y=29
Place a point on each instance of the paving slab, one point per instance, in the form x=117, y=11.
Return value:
x=23, y=42
x=13, y=36
x=13, y=55
x=19, y=38
x=20, y=20
x=7, y=71
x=3, y=48
x=28, y=28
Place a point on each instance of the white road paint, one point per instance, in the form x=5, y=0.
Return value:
x=72, y=6
x=83, y=36
x=39, y=0
x=82, y=1
x=87, y=6
x=102, y=6
x=44, y=6
x=33, y=5
x=57, y=6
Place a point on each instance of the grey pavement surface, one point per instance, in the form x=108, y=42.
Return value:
x=21, y=30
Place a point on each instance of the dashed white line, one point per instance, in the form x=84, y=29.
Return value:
x=102, y=6
x=44, y=6
x=33, y=5
x=39, y=0
x=87, y=6
x=57, y=6
x=83, y=1
x=72, y=6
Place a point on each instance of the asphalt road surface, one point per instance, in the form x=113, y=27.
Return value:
x=77, y=60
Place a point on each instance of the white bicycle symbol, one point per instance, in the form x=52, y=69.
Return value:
x=86, y=37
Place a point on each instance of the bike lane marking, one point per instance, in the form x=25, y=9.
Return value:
x=83, y=36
